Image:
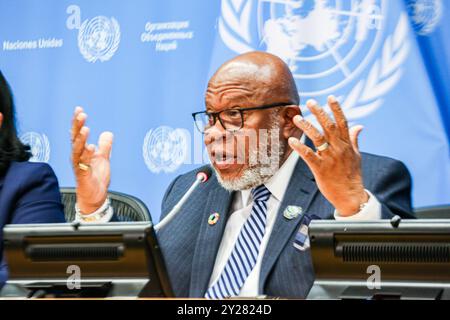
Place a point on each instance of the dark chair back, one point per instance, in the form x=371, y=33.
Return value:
x=126, y=208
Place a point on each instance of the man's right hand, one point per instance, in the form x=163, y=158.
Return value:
x=91, y=164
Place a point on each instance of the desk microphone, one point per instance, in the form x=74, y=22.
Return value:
x=202, y=176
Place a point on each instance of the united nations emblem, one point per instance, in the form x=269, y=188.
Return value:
x=425, y=15
x=99, y=38
x=39, y=144
x=165, y=149
x=329, y=45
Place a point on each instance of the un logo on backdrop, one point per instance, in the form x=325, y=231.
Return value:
x=165, y=149
x=98, y=38
x=39, y=144
x=425, y=15
x=329, y=45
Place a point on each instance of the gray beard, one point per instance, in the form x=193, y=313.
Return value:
x=259, y=173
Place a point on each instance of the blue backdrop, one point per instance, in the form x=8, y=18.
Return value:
x=141, y=67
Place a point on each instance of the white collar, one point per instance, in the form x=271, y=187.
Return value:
x=278, y=183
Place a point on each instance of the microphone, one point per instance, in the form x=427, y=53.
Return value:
x=202, y=176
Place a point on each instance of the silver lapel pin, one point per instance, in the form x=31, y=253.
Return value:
x=292, y=212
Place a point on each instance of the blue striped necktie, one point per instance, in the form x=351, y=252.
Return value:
x=245, y=252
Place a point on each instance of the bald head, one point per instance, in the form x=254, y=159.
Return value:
x=259, y=85
x=260, y=76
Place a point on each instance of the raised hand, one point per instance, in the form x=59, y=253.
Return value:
x=91, y=164
x=336, y=165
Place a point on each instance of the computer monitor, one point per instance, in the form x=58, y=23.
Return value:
x=397, y=259
x=84, y=260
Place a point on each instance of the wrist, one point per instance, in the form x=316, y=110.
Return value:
x=353, y=205
x=101, y=215
x=87, y=208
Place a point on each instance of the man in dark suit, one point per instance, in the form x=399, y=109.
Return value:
x=242, y=232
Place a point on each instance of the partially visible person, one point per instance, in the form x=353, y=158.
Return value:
x=29, y=192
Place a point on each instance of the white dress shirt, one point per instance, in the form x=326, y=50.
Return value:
x=241, y=208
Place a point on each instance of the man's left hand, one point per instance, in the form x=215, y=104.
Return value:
x=336, y=165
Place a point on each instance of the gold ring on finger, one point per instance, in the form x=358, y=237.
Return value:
x=323, y=147
x=84, y=166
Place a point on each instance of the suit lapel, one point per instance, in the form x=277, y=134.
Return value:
x=209, y=239
x=300, y=192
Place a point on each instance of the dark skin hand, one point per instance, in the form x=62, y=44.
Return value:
x=92, y=184
x=337, y=169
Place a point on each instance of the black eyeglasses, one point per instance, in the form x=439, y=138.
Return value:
x=230, y=119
